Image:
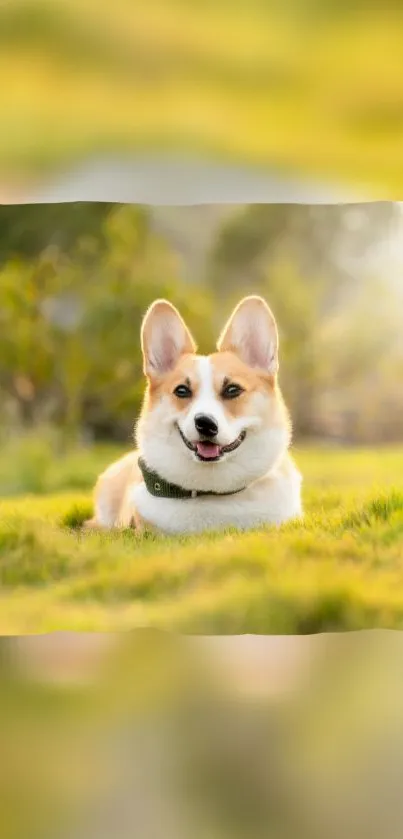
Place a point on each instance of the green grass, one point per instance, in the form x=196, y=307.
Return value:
x=340, y=568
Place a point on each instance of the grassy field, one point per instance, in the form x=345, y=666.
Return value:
x=339, y=569
x=302, y=92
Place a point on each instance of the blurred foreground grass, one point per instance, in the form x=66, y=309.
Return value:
x=339, y=569
x=301, y=87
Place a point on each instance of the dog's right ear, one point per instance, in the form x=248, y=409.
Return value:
x=164, y=339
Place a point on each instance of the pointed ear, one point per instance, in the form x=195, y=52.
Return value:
x=251, y=333
x=164, y=338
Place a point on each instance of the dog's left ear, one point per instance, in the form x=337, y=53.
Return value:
x=251, y=333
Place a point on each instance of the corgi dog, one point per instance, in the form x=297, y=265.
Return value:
x=213, y=434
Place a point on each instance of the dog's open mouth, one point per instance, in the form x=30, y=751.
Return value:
x=207, y=450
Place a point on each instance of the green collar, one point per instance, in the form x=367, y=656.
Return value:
x=163, y=489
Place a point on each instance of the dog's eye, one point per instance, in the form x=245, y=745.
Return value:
x=183, y=392
x=231, y=391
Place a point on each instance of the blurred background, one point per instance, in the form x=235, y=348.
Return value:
x=76, y=279
x=156, y=738
x=295, y=96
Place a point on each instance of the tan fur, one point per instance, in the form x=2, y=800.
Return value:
x=115, y=480
x=157, y=387
x=228, y=366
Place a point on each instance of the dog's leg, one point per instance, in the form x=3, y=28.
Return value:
x=110, y=492
x=127, y=515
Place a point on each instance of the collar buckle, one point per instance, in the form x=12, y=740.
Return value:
x=160, y=488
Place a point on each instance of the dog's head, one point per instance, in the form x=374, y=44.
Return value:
x=214, y=422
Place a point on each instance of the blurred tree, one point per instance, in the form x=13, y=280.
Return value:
x=28, y=229
x=70, y=319
x=325, y=241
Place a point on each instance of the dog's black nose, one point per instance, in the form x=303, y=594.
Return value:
x=206, y=425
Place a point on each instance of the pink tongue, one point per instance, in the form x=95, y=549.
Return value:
x=208, y=450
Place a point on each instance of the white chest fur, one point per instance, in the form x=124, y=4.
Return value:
x=273, y=499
